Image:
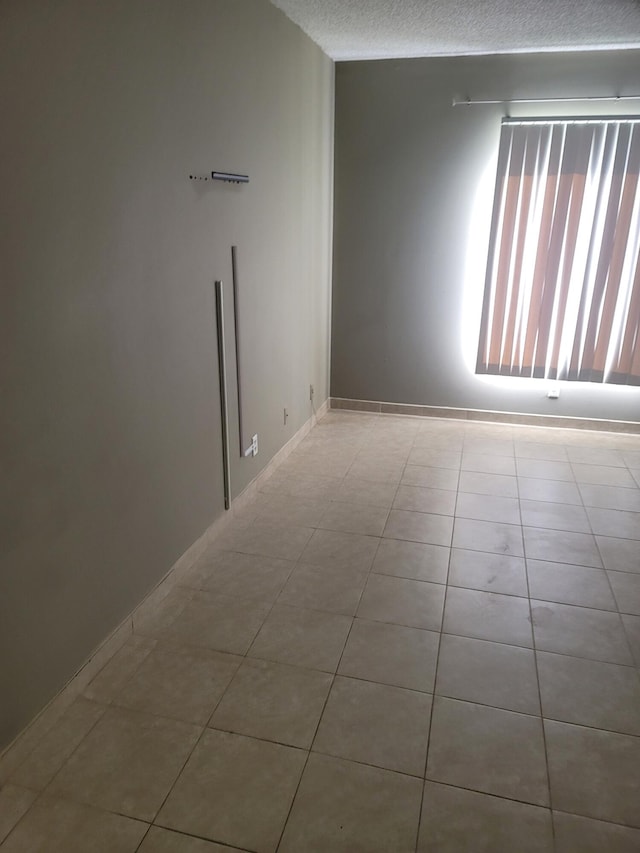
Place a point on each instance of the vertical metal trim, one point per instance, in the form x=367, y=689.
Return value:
x=224, y=406
x=236, y=324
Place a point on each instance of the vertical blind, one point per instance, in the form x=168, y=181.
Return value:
x=562, y=292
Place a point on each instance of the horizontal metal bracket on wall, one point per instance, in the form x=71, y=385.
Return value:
x=229, y=177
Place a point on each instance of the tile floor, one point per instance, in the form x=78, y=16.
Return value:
x=423, y=635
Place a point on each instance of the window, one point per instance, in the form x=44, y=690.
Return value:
x=562, y=293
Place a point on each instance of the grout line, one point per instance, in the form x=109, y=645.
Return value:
x=435, y=674
x=542, y=718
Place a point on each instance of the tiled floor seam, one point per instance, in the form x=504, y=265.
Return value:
x=205, y=728
x=624, y=627
x=535, y=657
x=315, y=734
x=433, y=701
x=334, y=674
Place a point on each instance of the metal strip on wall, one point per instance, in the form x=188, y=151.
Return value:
x=224, y=405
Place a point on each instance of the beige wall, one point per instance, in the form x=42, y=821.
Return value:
x=408, y=174
x=111, y=456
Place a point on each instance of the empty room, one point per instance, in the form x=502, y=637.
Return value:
x=320, y=426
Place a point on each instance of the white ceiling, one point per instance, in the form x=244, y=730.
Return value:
x=381, y=29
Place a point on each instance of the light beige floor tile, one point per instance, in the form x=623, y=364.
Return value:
x=475, y=427
x=160, y=840
x=241, y=575
x=267, y=540
x=626, y=588
x=375, y=724
x=489, y=446
x=416, y=604
x=387, y=450
x=614, y=522
x=14, y=803
x=595, y=456
x=488, y=508
x=151, y=618
x=345, y=807
x=540, y=450
x=354, y=518
x=183, y=682
x=593, y=773
x=115, y=674
x=439, y=440
x=127, y=763
x=220, y=622
x=603, y=475
x=412, y=560
x=568, y=584
x=336, y=455
x=546, y=435
x=447, y=427
x=478, y=483
x=294, y=510
x=488, y=616
x=302, y=637
x=432, y=478
x=590, y=693
x=551, y=491
x=379, y=467
x=555, y=516
x=335, y=591
x=57, y=745
x=488, y=673
x=454, y=820
x=315, y=466
x=58, y=826
x=353, y=490
x=302, y=485
x=611, y=497
x=576, y=834
x=371, y=470
x=631, y=457
x=561, y=546
x=489, y=536
x=489, y=750
x=235, y=790
x=632, y=630
x=485, y=463
x=419, y=527
x=420, y=499
x=275, y=702
x=619, y=555
x=391, y=654
x=545, y=469
x=579, y=631
x=488, y=572
x=435, y=458
x=340, y=550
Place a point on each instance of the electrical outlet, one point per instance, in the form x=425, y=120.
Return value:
x=553, y=393
x=254, y=445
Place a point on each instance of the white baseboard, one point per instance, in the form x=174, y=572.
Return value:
x=563, y=422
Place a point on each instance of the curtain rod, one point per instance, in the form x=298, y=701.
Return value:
x=467, y=102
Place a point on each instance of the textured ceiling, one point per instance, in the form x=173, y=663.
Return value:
x=380, y=29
